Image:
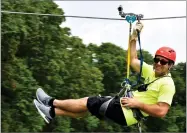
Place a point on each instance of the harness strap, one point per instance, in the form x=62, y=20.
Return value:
x=139, y=127
x=104, y=106
x=158, y=78
x=141, y=57
x=143, y=87
x=141, y=60
x=137, y=114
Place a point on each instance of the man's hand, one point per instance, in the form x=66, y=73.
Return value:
x=159, y=109
x=138, y=27
x=130, y=102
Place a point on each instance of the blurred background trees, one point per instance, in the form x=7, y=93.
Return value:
x=37, y=52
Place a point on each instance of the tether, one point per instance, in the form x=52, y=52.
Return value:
x=126, y=85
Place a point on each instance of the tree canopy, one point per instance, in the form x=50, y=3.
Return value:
x=37, y=52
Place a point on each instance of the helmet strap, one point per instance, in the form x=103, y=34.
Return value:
x=170, y=66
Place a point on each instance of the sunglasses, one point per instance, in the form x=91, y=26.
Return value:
x=162, y=62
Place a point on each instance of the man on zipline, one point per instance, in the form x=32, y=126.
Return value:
x=155, y=100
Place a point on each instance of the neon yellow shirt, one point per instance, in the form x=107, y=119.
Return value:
x=161, y=90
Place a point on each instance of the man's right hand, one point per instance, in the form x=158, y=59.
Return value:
x=139, y=27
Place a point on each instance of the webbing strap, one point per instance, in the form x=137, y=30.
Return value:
x=139, y=127
x=141, y=57
x=141, y=60
x=104, y=106
x=137, y=114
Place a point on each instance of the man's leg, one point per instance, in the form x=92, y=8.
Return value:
x=60, y=112
x=72, y=105
x=48, y=112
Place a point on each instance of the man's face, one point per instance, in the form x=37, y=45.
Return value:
x=161, y=65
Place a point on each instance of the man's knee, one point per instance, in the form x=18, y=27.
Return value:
x=84, y=101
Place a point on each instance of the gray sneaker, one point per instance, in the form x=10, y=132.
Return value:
x=43, y=110
x=42, y=97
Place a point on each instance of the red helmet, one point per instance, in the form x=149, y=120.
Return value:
x=167, y=52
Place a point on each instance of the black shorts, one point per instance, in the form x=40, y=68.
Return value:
x=114, y=110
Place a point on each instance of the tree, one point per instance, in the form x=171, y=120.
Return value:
x=37, y=52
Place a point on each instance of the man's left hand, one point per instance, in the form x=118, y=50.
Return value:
x=130, y=102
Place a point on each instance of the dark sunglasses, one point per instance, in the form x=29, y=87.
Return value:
x=162, y=62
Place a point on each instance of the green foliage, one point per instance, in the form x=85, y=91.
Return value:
x=17, y=107
x=111, y=62
x=37, y=52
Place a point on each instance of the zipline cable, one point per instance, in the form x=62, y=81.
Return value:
x=71, y=16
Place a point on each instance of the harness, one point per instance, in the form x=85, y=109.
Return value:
x=126, y=84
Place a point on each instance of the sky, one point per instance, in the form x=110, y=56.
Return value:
x=155, y=34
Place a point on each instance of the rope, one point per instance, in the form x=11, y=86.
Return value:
x=128, y=57
x=86, y=17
